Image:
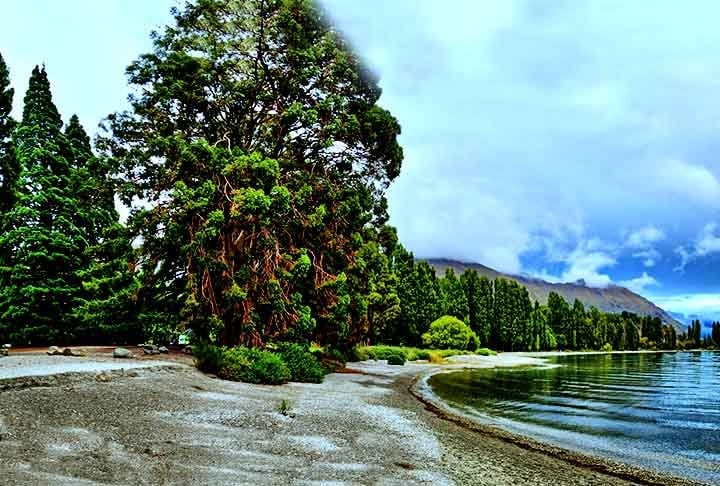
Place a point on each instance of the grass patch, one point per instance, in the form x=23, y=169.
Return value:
x=381, y=351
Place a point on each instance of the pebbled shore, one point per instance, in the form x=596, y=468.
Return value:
x=173, y=425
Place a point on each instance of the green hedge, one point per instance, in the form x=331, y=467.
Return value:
x=363, y=353
x=291, y=362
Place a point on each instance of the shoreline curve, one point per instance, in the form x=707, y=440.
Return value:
x=421, y=390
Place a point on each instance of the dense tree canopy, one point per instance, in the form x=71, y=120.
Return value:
x=257, y=142
x=53, y=227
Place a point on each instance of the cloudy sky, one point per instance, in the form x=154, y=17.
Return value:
x=556, y=138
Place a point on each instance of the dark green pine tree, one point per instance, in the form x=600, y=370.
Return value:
x=44, y=245
x=106, y=310
x=8, y=162
x=9, y=171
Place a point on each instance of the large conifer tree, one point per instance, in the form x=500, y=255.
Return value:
x=106, y=307
x=8, y=162
x=43, y=244
x=257, y=140
x=9, y=171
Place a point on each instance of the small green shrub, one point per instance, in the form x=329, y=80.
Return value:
x=485, y=352
x=607, y=347
x=362, y=353
x=236, y=362
x=396, y=359
x=448, y=332
x=284, y=407
x=267, y=368
x=302, y=364
x=337, y=355
x=209, y=358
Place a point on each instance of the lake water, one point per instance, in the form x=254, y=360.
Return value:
x=655, y=410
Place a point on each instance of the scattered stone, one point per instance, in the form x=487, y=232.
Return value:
x=5, y=349
x=150, y=349
x=3, y=429
x=163, y=350
x=103, y=377
x=122, y=353
x=54, y=351
x=72, y=352
x=188, y=350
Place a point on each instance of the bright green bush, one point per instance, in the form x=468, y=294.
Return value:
x=250, y=365
x=362, y=353
x=607, y=347
x=396, y=359
x=302, y=364
x=235, y=364
x=266, y=368
x=448, y=332
x=485, y=352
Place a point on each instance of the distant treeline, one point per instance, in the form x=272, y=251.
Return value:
x=504, y=316
x=694, y=338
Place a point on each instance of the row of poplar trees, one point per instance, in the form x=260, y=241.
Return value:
x=504, y=315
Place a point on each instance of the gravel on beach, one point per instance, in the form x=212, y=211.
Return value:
x=171, y=424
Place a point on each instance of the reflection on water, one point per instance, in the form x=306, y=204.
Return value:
x=658, y=410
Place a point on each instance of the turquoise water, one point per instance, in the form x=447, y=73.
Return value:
x=655, y=410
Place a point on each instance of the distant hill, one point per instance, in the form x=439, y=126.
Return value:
x=609, y=299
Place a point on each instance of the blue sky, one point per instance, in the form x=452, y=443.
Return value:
x=556, y=138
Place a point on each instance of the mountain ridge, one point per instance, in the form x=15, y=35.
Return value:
x=613, y=298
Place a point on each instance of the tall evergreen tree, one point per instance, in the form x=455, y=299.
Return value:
x=45, y=245
x=478, y=293
x=9, y=168
x=259, y=144
x=9, y=172
x=485, y=310
x=106, y=308
x=559, y=319
x=455, y=302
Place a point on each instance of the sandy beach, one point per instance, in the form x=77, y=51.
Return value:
x=158, y=422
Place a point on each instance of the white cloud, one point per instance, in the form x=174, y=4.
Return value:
x=706, y=243
x=642, y=241
x=584, y=262
x=702, y=303
x=650, y=256
x=644, y=237
x=639, y=284
x=688, y=181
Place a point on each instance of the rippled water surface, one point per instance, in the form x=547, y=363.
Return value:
x=656, y=410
